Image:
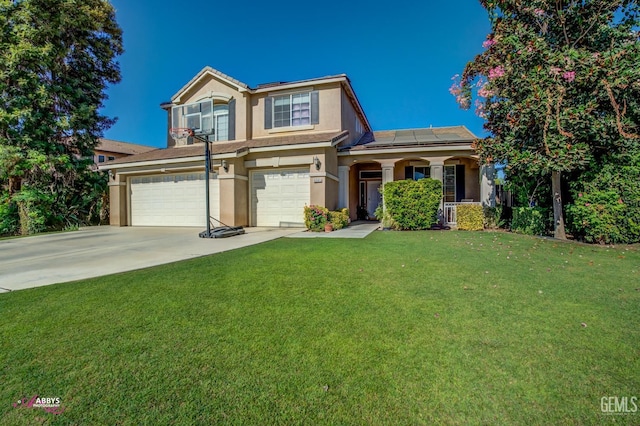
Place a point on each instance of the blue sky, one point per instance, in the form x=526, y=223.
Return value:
x=400, y=56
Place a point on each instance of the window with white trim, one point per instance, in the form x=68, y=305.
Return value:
x=449, y=184
x=292, y=110
x=359, y=128
x=221, y=122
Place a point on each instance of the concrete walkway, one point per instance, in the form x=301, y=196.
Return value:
x=97, y=251
x=358, y=229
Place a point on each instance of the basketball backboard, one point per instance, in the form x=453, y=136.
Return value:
x=197, y=116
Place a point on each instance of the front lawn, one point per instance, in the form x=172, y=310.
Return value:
x=398, y=328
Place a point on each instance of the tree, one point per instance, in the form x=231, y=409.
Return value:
x=558, y=84
x=56, y=60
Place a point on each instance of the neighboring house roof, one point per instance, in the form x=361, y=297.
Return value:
x=230, y=147
x=109, y=145
x=456, y=135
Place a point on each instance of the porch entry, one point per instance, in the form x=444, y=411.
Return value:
x=370, y=197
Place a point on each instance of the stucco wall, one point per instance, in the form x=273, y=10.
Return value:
x=349, y=117
x=329, y=96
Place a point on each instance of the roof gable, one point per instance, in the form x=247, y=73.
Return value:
x=208, y=72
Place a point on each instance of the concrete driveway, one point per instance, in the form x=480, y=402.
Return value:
x=96, y=251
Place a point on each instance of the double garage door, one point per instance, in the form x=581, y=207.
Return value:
x=277, y=198
x=172, y=200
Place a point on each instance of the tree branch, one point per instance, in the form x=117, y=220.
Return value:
x=547, y=121
x=562, y=131
x=616, y=109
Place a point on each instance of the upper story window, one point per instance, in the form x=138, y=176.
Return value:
x=359, y=128
x=100, y=158
x=221, y=122
x=291, y=110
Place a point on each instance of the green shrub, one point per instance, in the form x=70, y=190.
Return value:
x=530, y=220
x=384, y=217
x=315, y=217
x=602, y=216
x=34, y=210
x=606, y=206
x=493, y=217
x=339, y=219
x=9, y=219
x=412, y=204
x=469, y=217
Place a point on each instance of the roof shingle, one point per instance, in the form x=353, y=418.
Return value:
x=230, y=147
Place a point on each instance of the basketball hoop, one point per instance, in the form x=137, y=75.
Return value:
x=180, y=133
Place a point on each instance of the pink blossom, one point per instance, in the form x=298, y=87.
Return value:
x=554, y=71
x=620, y=201
x=569, y=76
x=485, y=93
x=580, y=194
x=480, y=109
x=488, y=43
x=539, y=12
x=496, y=72
x=587, y=204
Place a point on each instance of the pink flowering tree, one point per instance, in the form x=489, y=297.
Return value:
x=559, y=86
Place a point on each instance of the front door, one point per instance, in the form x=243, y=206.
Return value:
x=374, y=198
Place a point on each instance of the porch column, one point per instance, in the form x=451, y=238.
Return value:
x=343, y=186
x=487, y=186
x=387, y=172
x=387, y=176
x=437, y=172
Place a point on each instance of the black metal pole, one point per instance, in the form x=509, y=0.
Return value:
x=207, y=165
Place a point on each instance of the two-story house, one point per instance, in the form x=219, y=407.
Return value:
x=278, y=147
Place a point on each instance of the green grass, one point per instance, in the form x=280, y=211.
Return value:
x=404, y=328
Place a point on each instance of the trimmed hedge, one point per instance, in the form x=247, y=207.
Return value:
x=412, y=205
x=470, y=217
x=530, y=220
x=493, y=217
x=339, y=219
x=315, y=217
x=604, y=217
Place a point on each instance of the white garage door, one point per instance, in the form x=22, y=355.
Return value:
x=278, y=197
x=172, y=200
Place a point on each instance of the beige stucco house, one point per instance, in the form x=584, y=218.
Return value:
x=278, y=147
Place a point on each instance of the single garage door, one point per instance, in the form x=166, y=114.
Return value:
x=172, y=200
x=278, y=197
